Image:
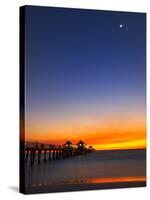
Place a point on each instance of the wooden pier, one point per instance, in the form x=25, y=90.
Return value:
x=35, y=152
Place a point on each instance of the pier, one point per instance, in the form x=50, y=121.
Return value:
x=36, y=152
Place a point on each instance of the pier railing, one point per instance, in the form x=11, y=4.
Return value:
x=35, y=152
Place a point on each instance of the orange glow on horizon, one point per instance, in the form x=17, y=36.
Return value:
x=135, y=144
x=100, y=141
x=113, y=131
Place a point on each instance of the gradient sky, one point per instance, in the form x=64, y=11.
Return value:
x=85, y=77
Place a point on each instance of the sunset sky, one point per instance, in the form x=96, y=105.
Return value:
x=85, y=77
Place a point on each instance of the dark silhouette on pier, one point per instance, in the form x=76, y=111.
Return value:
x=55, y=152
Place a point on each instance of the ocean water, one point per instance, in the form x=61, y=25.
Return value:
x=95, y=167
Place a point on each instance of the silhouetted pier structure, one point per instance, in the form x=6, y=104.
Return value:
x=34, y=152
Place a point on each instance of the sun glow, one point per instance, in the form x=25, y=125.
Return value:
x=135, y=144
x=112, y=131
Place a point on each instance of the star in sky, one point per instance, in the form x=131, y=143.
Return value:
x=122, y=26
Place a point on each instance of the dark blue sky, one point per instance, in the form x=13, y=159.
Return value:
x=82, y=61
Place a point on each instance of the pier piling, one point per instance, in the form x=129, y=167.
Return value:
x=53, y=152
